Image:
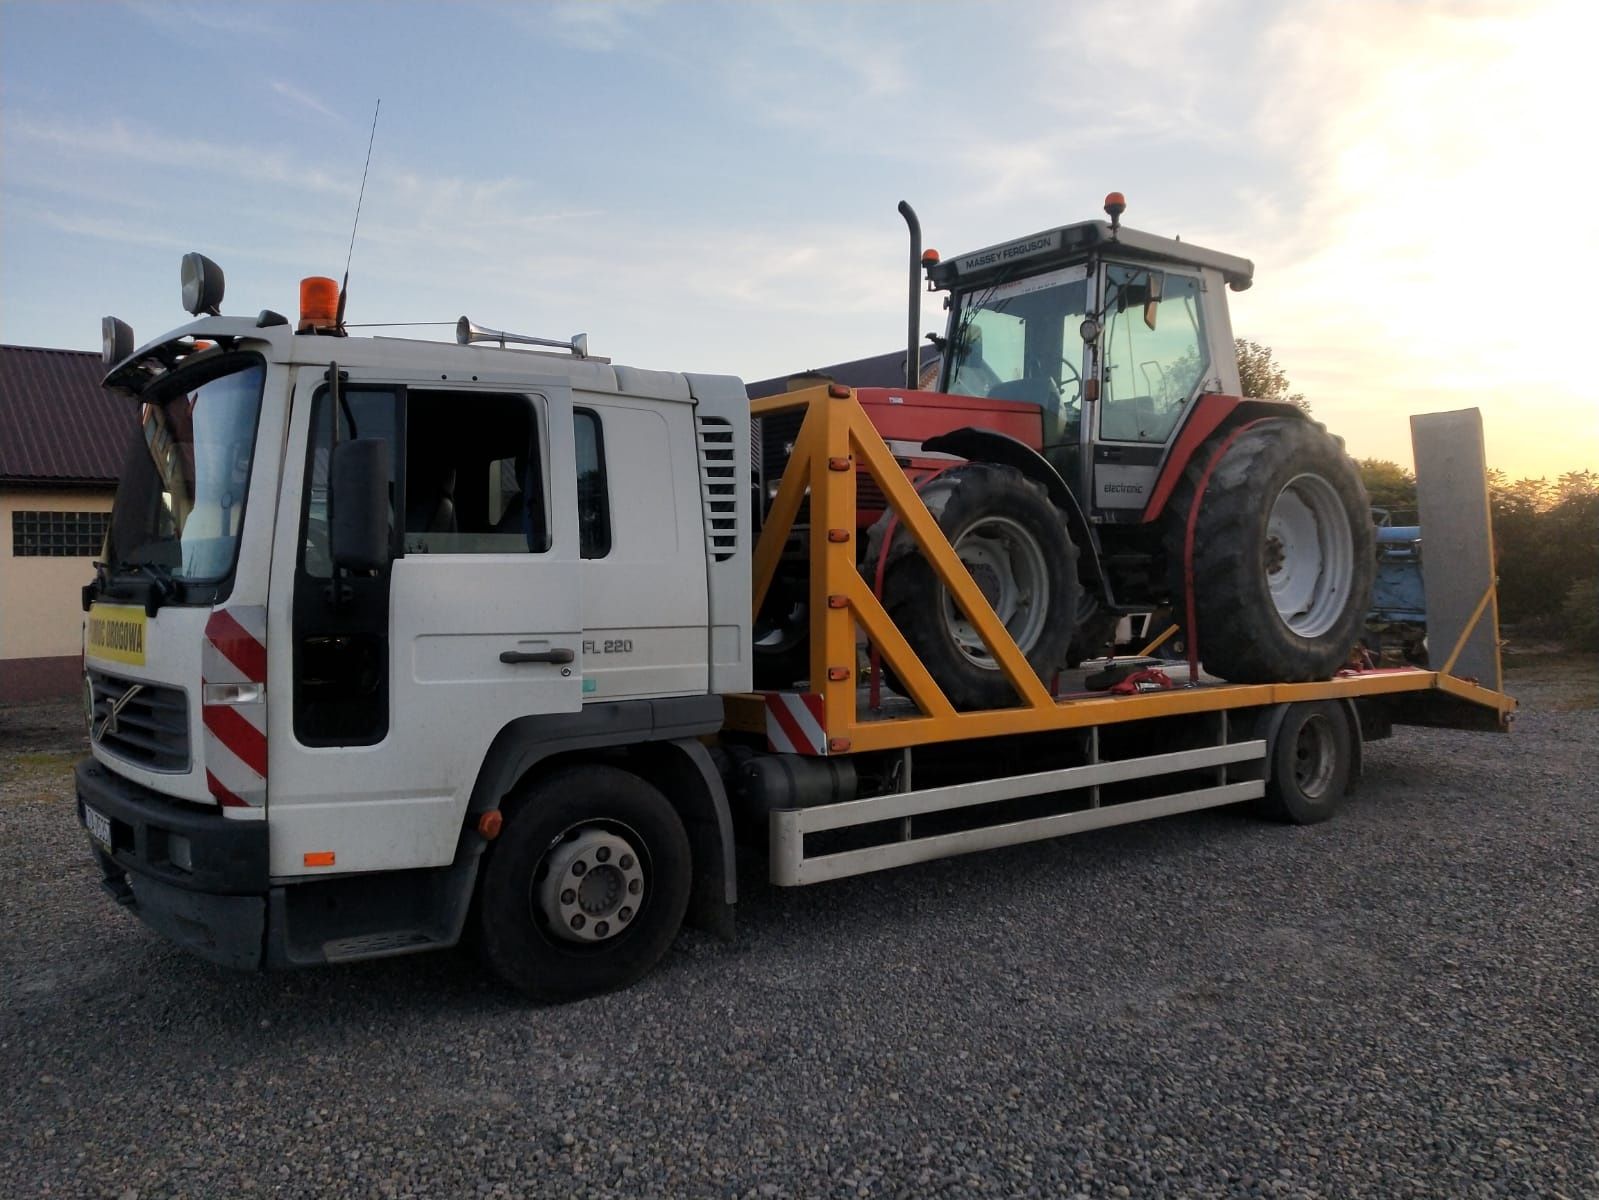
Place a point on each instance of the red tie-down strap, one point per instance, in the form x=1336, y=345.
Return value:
x=1150, y=679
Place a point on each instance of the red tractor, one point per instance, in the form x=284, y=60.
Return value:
x=1088, y=454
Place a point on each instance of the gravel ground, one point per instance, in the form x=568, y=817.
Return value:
x=1399, y=1003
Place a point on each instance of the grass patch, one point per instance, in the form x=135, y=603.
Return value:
x=57, y=760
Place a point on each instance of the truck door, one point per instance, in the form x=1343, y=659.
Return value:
x=387, y=688
x=1154, y=363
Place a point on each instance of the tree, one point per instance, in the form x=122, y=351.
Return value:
x=1261, y=377
x=1388, y=484
x=1546, y=540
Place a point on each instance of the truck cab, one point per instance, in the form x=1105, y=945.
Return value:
x=356, y=588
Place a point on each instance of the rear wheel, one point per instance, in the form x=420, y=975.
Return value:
x=1312, y=758
x=586, y=888
x=1283, y=555
x=1014, y=543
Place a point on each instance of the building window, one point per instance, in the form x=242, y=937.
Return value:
x=37, y=534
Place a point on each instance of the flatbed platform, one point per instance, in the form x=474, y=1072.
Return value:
x=794, y=721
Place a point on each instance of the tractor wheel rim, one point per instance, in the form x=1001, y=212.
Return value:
x=590, y=885
x=1313, y=757
x=1003, y=553
x=1309, y=555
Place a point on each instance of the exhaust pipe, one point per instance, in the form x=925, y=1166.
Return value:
x=913, y=356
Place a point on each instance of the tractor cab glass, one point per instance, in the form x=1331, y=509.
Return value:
x=1154, y=352
x=1022, y=340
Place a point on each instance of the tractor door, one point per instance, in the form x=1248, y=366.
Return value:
x=1022, y=340
x=1154, y=362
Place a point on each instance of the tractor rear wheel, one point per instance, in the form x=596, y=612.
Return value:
x=1283, y=554
x=1015, y=544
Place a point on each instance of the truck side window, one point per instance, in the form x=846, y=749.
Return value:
x=474, y=480
x=593, y=495
x=365, y=412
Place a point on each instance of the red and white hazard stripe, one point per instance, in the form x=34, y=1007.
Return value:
x=794, y=723
x=233, y=671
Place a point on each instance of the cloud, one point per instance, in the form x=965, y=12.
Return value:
x=129, y=143
x=598, y=28
x=1402, y=269
x=200, y=21
x=305, y=100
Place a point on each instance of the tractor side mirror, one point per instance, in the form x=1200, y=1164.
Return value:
x=1152, y=294
x=359, y=498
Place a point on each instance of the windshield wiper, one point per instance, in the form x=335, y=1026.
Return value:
x=163, y=588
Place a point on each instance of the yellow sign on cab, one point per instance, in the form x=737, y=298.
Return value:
x=116, y=632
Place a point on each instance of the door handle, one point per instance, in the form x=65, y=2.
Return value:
x=537, y=656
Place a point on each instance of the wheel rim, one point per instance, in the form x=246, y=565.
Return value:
x=591, y=883
x=1309, y=556
x=1313, y=757
x=1010, y=570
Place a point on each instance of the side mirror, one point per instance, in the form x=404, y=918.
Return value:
x=359, y=497
x=1156, y=286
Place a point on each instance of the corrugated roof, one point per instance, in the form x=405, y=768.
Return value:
x=57, y=425
x=880, y=370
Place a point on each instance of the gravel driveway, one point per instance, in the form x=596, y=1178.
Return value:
x=1399, y=1003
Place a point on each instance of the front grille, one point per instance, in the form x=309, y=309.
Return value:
x=151, y=727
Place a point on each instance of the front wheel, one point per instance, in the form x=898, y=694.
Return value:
x=586, y=888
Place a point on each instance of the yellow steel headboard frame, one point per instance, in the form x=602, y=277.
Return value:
x=834, y=440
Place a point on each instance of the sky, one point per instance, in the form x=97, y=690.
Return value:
x=705, y=187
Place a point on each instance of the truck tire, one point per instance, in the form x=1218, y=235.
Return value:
x=585, y=888
x=1312, y=758
x=1015, y=544
x=1283, y=555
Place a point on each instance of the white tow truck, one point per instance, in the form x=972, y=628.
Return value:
x=395, y=635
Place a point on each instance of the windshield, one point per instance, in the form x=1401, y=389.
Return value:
x=180, y=503
x=1022, y=341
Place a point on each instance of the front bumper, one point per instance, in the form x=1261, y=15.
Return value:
x=215, y=906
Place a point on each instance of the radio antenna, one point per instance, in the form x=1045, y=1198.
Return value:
x=344, y=288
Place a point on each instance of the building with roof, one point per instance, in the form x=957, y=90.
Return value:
x=880, y=370
x=62, y=441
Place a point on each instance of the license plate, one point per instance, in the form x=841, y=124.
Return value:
x=98, y=825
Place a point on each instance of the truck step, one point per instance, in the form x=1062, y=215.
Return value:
x=373, y=945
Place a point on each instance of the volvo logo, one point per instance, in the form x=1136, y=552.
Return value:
x=109, y=723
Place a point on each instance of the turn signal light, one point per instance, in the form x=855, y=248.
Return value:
x=319, y=303
x=319, y=858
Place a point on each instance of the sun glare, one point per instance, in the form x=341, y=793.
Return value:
x=1450, y=178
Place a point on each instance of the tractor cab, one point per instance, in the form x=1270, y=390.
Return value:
x=1112, y=332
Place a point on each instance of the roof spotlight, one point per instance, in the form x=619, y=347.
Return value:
x=202, y=285
x=116, y=340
